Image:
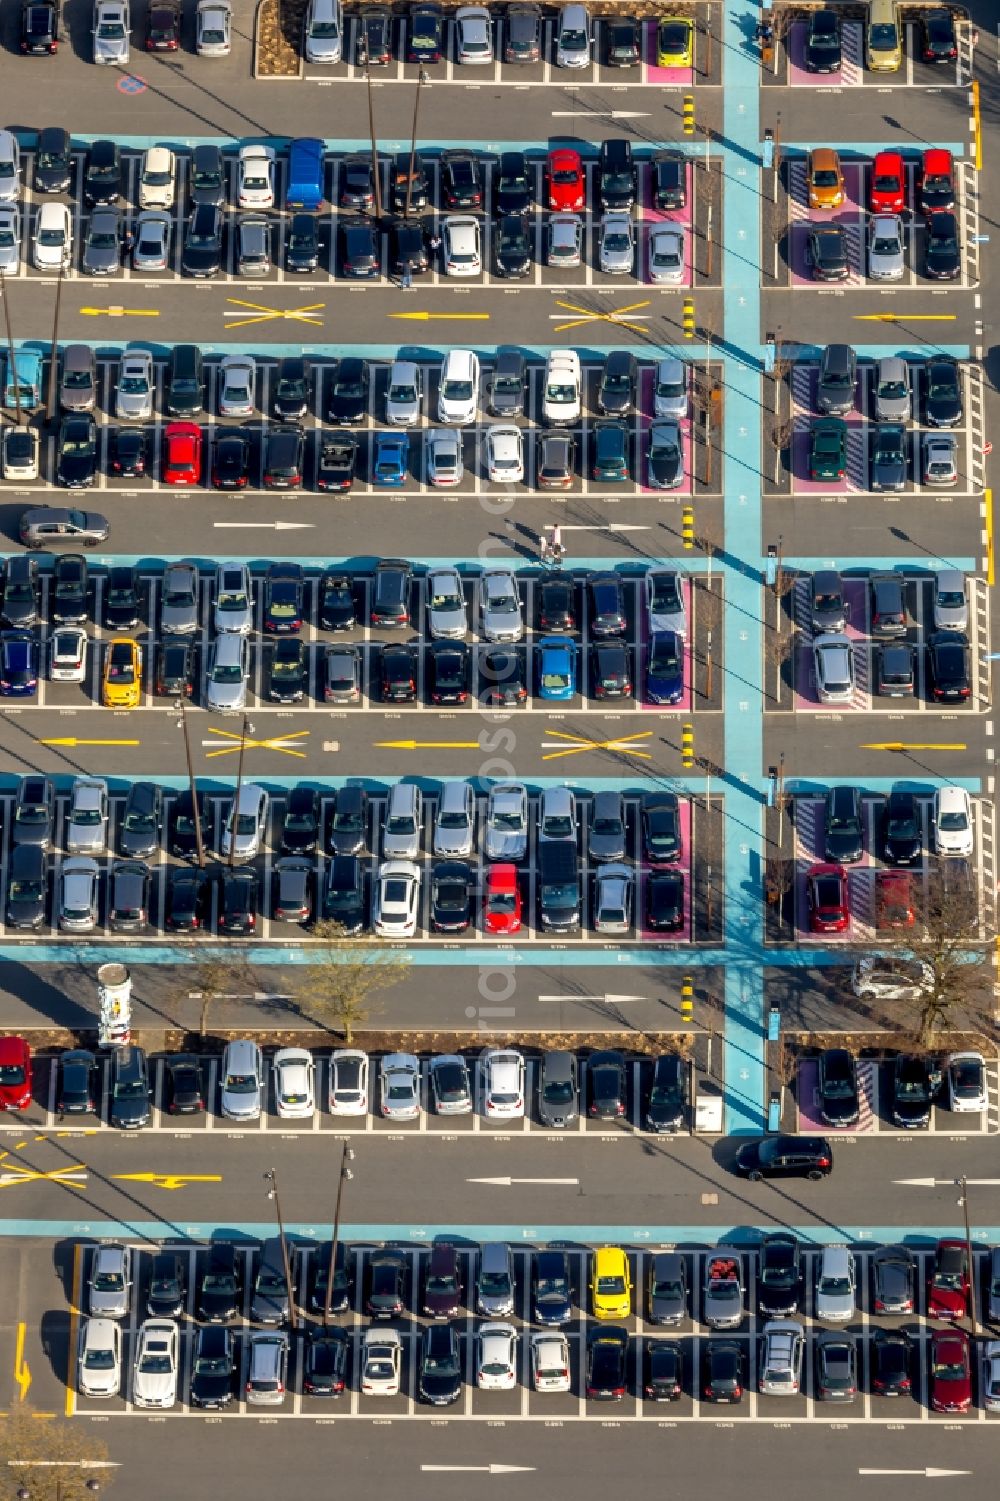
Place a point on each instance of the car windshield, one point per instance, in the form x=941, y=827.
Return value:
x=107, y=239
x=100, y=1360
x=130, y=1089
x=509, y=820
x=503, y=901
x=953, y=822
x=886, y=244
x=444, y=1365
x=611, y=1286
x=616, y=239
x=558, y=1092
x=494, y=1284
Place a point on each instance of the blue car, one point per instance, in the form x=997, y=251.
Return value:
x=392, y=455
x=555, y=658
x=665, y=668
x=18, y=664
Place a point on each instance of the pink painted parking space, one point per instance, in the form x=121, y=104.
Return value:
x=850, y=73
x=686, y=701
x=683, y=217
x=684, y=866
x=854, y=194
x=645, y=418
x=810, y=850
x=804, y=697
x=667, y=77
x=807, y=1101
x=854, y=477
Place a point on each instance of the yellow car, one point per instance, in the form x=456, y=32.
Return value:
x=122, y=686
x=610, y=1284
x=674, y=42
x=824, y=179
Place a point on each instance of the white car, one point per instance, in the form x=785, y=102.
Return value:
x=10, y=167
x=20, y=453
x=666, y=255
x=399, y=1087
x=100, y=1368
x=213, y=28
x=295, y=1084
x=463, y=253
x=952, y=818
x=52, y=244
x=68, y=654
x=381, y=1359
x=500, y=615
x=473, y=34
x=616, y=247
x=966, y=1075
x=134, y=391
x=10, y=240
x=503, y=1084
x=348, y=1093
x=458, y=387
x=111, y=29
x=550, y=1362
x=158, y=178
x=255, y=179
x=507, y=822
x=496, y=1357
x=562, y=389
x=505, y=454
x=154, y=1375
x=397, y=899
x=237, y=385
x=443, y=457
x=445, y=602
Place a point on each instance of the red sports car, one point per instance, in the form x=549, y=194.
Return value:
x=888, y=194
x=826, y=898
x=15, y=1073
x=951, y=1371
x=182, y=444
x=948, y=1284
x=564, y=180
x=502, y=913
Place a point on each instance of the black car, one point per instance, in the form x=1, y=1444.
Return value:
x=325, y=1373
x=523, y=36
x=911, y=1091
x=826, y=252
x=606, y=1084
x=891, y=1361
x=512, y=185
x=21, y=591
x=201, y=255
x=938, y=43
x=128, y=452
x=300, y=828
x=660, y=821
x=336, y=462
x=556, y=460
x=288, y=675
x=507, y=386
x=943, y=254
x=238, y=903
x=836, y=1368
x=452, y=890
x=408, y=246
x=902, y=829
x=942, y=393
x=163, y=26
x=53, y=160
x=621, y=37
x=139, y=835
x=665, y=901
x=343, y=900
x=503, y=676
x=231, y=459
x=440, y=1377
x=448, y=669
x=34, y=811
x=185, y=1091
x=27, y=887
x=68, y=589
x=616, y=391
x=551, y=1288
x=391, y=593
x=606, y=602
x=207, y=179
x=102, y=180
x=843, y=825
x=839, y=1101
x=284, y=594
x=187, y=901
x=214, y=1367
x=398, y=674
x=131, y=1101
x=409, y=184
x=357, y=184
x=785, y=1156
x=375, y=36
x=424, y=32
x=617, y=177
x=181, y=840
x=128, y=896
x=667, y=1106
x=512, y=244
x=779, y=1279
x=461, y=180
x=76, y=1082
x=176, y=665
x=121, y=598
x=348, y=391
x=349, y=824
x=607, y=1357
x=167, y=1286
x=948, y=659
x=611, y=669
x=219, y=1296
x=889, y=448
x=76, y=452
x=284, y=456
x=556, y=606
x=723, y=1374
x=665, y=457
x=336, y=602
x=386, y=1295
x=669, y=180
x=823, y=44
x=19, y=663
x=340, y=1292
x=302, y=251
x=358, y=251
x=39, y=27
x=292, y=389
x=663, y=1376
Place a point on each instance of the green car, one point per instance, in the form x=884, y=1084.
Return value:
x=828, y=449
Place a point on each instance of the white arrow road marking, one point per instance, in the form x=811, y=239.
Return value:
x=479, y=1469
x=508, y=1182
x=612, y=1000
x=946, y=1182
x=928, y=1474
x=271, y=526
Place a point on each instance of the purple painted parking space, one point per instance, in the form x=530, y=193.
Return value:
x=849, y=75
x=811, y=1123
x=684, y=706
x=681, y=216
x=684, y=866
x=645, y=408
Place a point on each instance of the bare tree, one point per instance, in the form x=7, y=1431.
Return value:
x=51, y=1459
x=958, y=990
x=336, y=986
x=217, y=977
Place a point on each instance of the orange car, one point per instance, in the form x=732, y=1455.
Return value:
x=824, y=179
x=122, y=683
x=894, y=899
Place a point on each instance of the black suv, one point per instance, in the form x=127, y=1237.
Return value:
x=461, y=180
x=21, y=591
x=69, y=589
x=888, y=604
x=53, y=160
x=401, y=176
x=440, y=1380
x=513, y=247
x=616, y=392
x=512, y=194
x=902, y=830
x=102, y=181
x=344, y=894
x=779, y=1280
x=121, y=598
x=785, y=1156
x=607, y=605
x=292, y=389
x=506, y=387
x=202, y=252
x=207, y=181
x=617, y=175
x=391, y=593
x=139, y=837
x=349, y=386
x=39, y=27
x=842, y=827
x=284, y=450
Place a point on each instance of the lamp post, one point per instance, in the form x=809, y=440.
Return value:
x=377, y=203
x=182, y=724
x=347, y=1156
x=423, y=77
x=962, y=1183
x=271, y=1180
x=246, y=729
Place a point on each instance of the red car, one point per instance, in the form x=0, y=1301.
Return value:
x=888, y=194
x=182, y=454
x=894, y=899
x=502, y=912
x=951, y=1371
x=826, y=898
x=948, y=1283
x=15, y=1074
x=937, y=181
x=564, y=180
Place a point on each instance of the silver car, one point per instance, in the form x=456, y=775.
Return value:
x=10, y=239
x=557, y=815
x=342, y=674
x=403, y=817
x=565, y=241
x=404, y=396
x=558, y=1089
x=111, y=28
x=446, y=619
x=79, y=885
x=835, y=1285
x=780, y=1360
x=449, y=1083
x=242, y=1076
x=151, y=248
x=102, y=244
x=251, y=822
x=939, y=459
x=885, y=248
x=455, y=825
x=267, y=1373
x=233, y=599
x=951, y=607
x=507, y=822
x=665, y=605
x=87, y=821
x=892, y=390
x=213, y=28
x=443, y=457
x=616, y=247
x=608, y=835
x=227, y=674
x=670, y=389
x=666, y=255
x=134, y=391
x=399, y=1087
x=78, y=381
x=179, y=601
x=500, y=606
x=110, y=1283
x=993, y=1290
x=237, y=384
x=613, y=889
x=833, y=664
x=61, y=524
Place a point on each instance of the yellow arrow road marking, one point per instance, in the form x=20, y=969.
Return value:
x=625, y=745
x=71, y=740
x=427, y=745
x=429, y=317
x=901, y=745
x=904, y=317
x=22, y=1374
x=119, y=312
x=167, y=1180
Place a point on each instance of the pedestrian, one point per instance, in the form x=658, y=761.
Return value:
x=557, y=546
x=406, y=277
x=435, y=243
x=543, y=549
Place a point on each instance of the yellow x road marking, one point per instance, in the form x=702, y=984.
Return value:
x=617, y=317
x=626, y=745
x=260, y=314
x=233, y=741
x=73, y=1177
